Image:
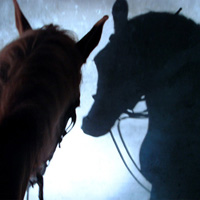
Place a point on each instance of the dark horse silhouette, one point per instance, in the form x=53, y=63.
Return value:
x=39, y=92
x=156, y=55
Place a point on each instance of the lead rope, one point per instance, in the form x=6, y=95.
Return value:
x=122, y=139
x=27, y=193
x=40, y=184
x=121, y=156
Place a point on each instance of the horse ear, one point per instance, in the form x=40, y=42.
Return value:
x=120, y=14
x=91, y=39
x=21, y=22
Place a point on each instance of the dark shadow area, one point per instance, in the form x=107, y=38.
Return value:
x=156, y=55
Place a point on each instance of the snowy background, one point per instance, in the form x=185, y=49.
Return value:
x=86, y=167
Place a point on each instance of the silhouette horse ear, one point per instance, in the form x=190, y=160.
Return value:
x=120, y=14
x=91, y=39
x=21, y=22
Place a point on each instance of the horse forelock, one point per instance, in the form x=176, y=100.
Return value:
x=48, y=50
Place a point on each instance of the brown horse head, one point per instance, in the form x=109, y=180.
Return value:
x=39, y=92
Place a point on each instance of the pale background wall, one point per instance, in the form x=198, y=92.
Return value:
x=85, y=167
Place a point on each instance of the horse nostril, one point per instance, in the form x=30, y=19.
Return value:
x=85, y=124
